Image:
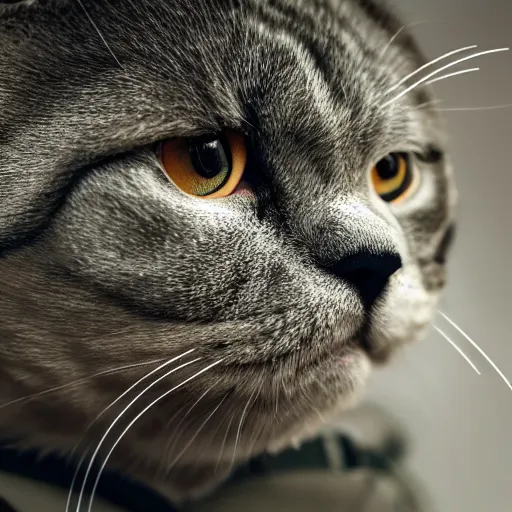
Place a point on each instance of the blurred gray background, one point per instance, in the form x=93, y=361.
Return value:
x=461, y=422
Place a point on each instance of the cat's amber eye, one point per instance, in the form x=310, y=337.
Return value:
x=392, y=177
x=208, y=166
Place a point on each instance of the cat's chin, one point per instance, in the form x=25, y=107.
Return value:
x=190, y=481
x=336, y=381
x=311, y=426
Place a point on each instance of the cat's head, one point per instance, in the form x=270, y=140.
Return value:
x=240, y=178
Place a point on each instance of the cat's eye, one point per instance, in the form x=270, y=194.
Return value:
x=208, y=166
x=392, y=177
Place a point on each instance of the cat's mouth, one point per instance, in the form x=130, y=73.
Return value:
x=297, y=362
x=313, y=347
x=377, y=353
x=310, y=355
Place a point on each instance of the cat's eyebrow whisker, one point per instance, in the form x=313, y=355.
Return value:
x=221, y=451
x=120, y=415
x=145, y=377
x=436, y=72
x=146, y=409
x=457, y=348
x=450, y=75
x=390, y=42
x=79, y=381
x=428, y=64
x=397, y=33
x=486, y=357
x=99, y=33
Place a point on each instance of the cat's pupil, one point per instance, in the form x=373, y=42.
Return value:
x=388, y=167
x=210, y=155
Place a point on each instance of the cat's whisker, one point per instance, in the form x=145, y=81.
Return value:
x=275, y=387
x=221, y=452
x=185, y=416
x=459, y=109
x=79, y=381
x=142, y=379
x=117, y=419
x=457, y=348
x=256, y=433
x=427, y=65
x=99, y=33
x=475, y=109
x=450, y=75
x=75, y=477
x=390, y=42
x=145, y=377
x=146, y=409
x=486, y=357
x=218, y=425
x=193, y=438
x=171, y=440
x=173, y=417
x=240, y=425
x=429, y=103
x=438, y=71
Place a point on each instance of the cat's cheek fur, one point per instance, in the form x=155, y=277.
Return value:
x=404, y=315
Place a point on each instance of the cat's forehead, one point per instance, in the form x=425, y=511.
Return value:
x=300, y=71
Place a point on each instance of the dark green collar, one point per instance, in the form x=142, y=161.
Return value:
x=136, y=497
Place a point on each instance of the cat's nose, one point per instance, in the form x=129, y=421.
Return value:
x=368, y=272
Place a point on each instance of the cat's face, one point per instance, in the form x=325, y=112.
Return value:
x=293, y=284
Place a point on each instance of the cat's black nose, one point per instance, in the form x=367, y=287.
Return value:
x=368, y=273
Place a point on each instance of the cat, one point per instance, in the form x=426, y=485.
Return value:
x=234, y=202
